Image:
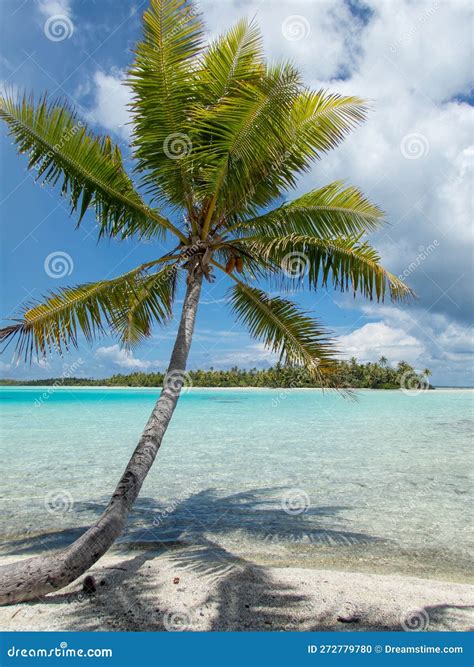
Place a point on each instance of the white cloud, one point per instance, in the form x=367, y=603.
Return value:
x=55, y=7
x=118, y=356
x=111, y=97
x=419, y=46
x=375, y=339
x=413, y=81
x=214, y=302
x=422, y=338
x=247, y=357
x=316, y=35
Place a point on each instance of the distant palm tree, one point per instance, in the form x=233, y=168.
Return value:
x=218, y=135
x=383, y=361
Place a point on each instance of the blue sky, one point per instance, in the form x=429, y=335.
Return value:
x=413, y=157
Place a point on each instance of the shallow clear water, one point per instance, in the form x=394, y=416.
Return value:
x=289, y=477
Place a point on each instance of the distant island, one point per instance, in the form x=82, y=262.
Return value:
x=349, y=374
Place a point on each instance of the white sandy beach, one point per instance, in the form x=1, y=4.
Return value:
x=179, y=590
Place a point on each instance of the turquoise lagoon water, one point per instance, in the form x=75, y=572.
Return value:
x=296, y=477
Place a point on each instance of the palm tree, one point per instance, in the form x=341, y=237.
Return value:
x=218, y=135
x=425, y=375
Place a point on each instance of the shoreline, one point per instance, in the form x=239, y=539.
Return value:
x=236, y=388
x=399, y=562
x=189, y=589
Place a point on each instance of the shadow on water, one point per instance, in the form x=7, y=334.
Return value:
x=256, y=514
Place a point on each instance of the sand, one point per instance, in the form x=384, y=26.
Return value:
x=185, y=589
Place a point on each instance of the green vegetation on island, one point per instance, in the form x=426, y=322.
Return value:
x=349, y=374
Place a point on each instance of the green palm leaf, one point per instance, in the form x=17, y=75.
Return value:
x=328, y=212
x=240, y=130
x=317, y=122
x=162, y=79
x=320, y=121
x=150, y=300
x=347, y=263
x=283, y=328
x=124, y=306
x=234, y=58
x=60, y=147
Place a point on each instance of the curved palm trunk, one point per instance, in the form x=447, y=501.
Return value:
x=37, y=576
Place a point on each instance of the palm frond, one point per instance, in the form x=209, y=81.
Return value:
x=317, y=122
x=240, y=130
x=124, y=306
x=320, y=121
x=283, y=328
x=149, y=301
x=59, y=146
x=253, y=266
x=346, y=263
x=331, y=211
x=234, y=58
x=162, y=79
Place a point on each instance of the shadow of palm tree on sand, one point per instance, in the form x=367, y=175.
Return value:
x=181, y=541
